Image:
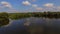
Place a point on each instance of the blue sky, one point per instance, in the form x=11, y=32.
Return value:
x=29, y=5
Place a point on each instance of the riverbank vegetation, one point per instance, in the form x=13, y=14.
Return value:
x=4, y=20
x=34, y=14
x=4, y=17
x=34, y=28
x=30, y=14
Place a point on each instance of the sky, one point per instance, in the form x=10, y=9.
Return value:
x=29, y=5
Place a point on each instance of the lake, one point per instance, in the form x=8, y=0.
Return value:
x=32, y=25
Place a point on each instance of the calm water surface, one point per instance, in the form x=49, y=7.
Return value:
x=32, y=26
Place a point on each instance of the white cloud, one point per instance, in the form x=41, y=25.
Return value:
x=38, y=8
x=26, y=3
x=33, y=0
x=1, y=7
x=58, y=7
x=6, y=4
x=49, y=5
x=34, y=5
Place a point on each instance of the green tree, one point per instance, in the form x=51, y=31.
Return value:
x=4, y=18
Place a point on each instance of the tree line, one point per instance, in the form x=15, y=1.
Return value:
x=34, y=14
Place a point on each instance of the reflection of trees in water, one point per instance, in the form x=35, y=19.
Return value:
x=48, y=27
x=4, y=20
x=35, y=28
x=27, y=23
